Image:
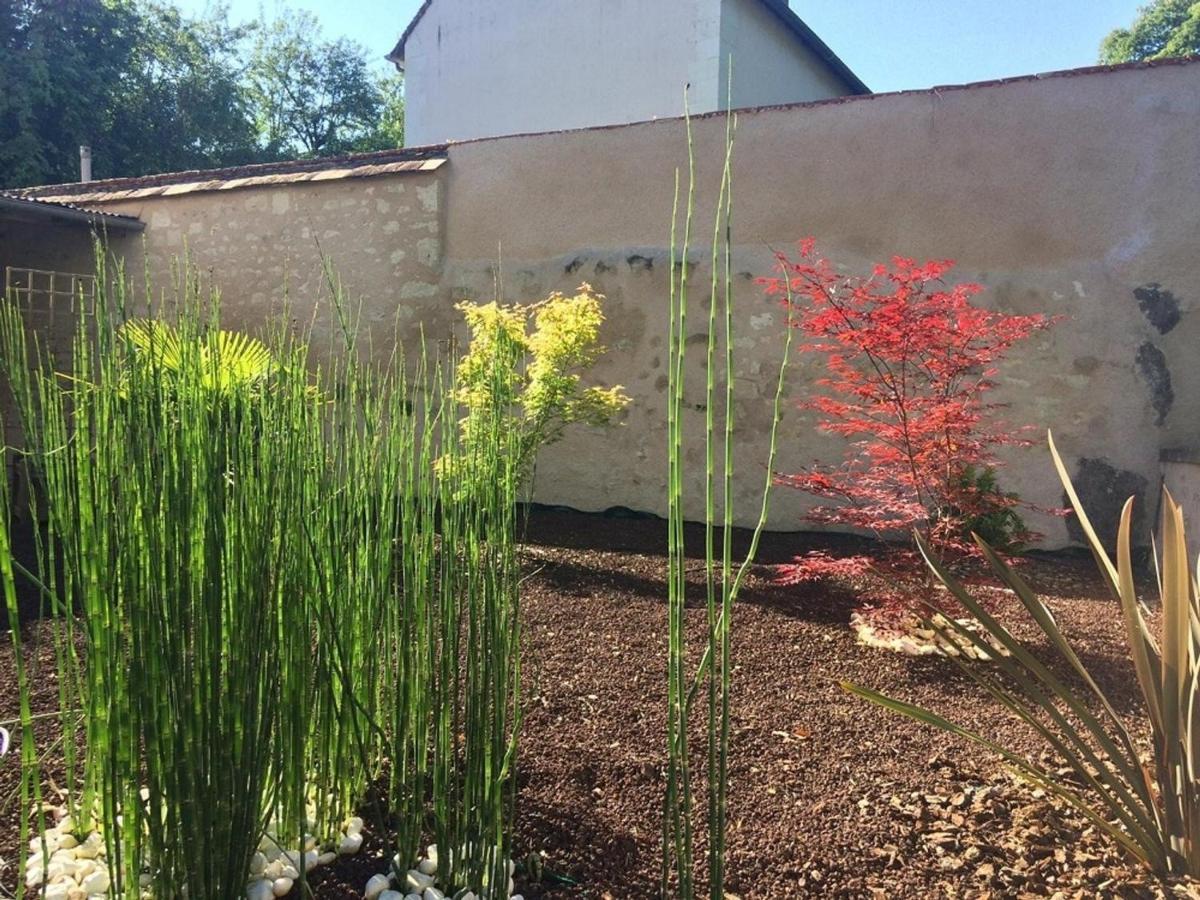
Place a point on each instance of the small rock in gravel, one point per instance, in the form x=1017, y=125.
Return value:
x=416, y=881
x=376, y=885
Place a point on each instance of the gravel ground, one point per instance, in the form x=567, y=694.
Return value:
x=830, y=796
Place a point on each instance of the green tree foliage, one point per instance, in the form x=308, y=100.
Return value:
x=60, y=67
x=389, y=130
x=182, y=104
x=1163, y=29
x=149, y=89
x=313, y=97
x=153, y=90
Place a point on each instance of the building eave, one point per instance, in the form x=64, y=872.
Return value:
x=396, y=57
x=810, y=39
x=30, y=209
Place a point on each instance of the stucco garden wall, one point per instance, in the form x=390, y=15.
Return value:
x=1076, y=195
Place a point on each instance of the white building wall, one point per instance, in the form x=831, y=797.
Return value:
x=770, y=65
x=479, y=68
x=483, y=68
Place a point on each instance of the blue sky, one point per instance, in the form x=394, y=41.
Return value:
x=891, y=44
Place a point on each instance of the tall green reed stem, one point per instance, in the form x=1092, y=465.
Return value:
x=723, y=577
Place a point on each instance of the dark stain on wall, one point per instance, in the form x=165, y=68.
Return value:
x=1158, y=305
x=602, y=267
x=574, y=265
x=1152, y=365
x=640, y=263
x=1103, y=490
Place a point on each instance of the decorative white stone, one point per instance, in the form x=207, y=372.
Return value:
x=287, y=871
x=391, y=895
x=281, y=886
x=259, y=890
x=412, y=897
x=516, y=897
x=311, y=859
x=95, y=883
x=376, y=885
x=351, y=843
x=258, y=863
x=427, y=867
x=431, y=854
x=92, y=847
x=416, y=882
x=273, y=869
x=354, y=825
x=326, y=858
x=60, y=891
x=432, y=893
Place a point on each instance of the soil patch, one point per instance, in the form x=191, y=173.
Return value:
x=830, y=796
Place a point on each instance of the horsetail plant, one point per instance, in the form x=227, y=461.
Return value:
x=1149, y=807
x=723, y=576
x=163, y=483
x=277, y=598
x=29, y=790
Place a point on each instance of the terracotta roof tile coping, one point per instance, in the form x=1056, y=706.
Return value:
x=354, y=165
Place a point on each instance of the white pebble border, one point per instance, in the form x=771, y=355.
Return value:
x=421, y=883
x=274, y=870
x=77, y=869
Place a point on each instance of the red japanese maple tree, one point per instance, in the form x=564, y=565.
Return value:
x=910, y=360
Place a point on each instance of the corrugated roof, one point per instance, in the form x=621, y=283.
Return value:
x=36, y=207
x=779, y=7
x=333, y=168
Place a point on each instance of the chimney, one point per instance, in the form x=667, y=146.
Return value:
x=85, y=162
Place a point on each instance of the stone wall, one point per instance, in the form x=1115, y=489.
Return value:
x=1074, y=194
x=263, y=248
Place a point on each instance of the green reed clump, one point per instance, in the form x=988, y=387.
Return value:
x=711, y=679
x=261, y=594
x=475, y=742
x=168, y=488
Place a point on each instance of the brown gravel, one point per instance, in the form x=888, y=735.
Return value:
x=830, y=796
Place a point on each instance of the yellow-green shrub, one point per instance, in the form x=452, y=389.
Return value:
x=524, y=368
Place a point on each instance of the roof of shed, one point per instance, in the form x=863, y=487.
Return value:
x=332, y=168
x=779, y=7
x=23, y=207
